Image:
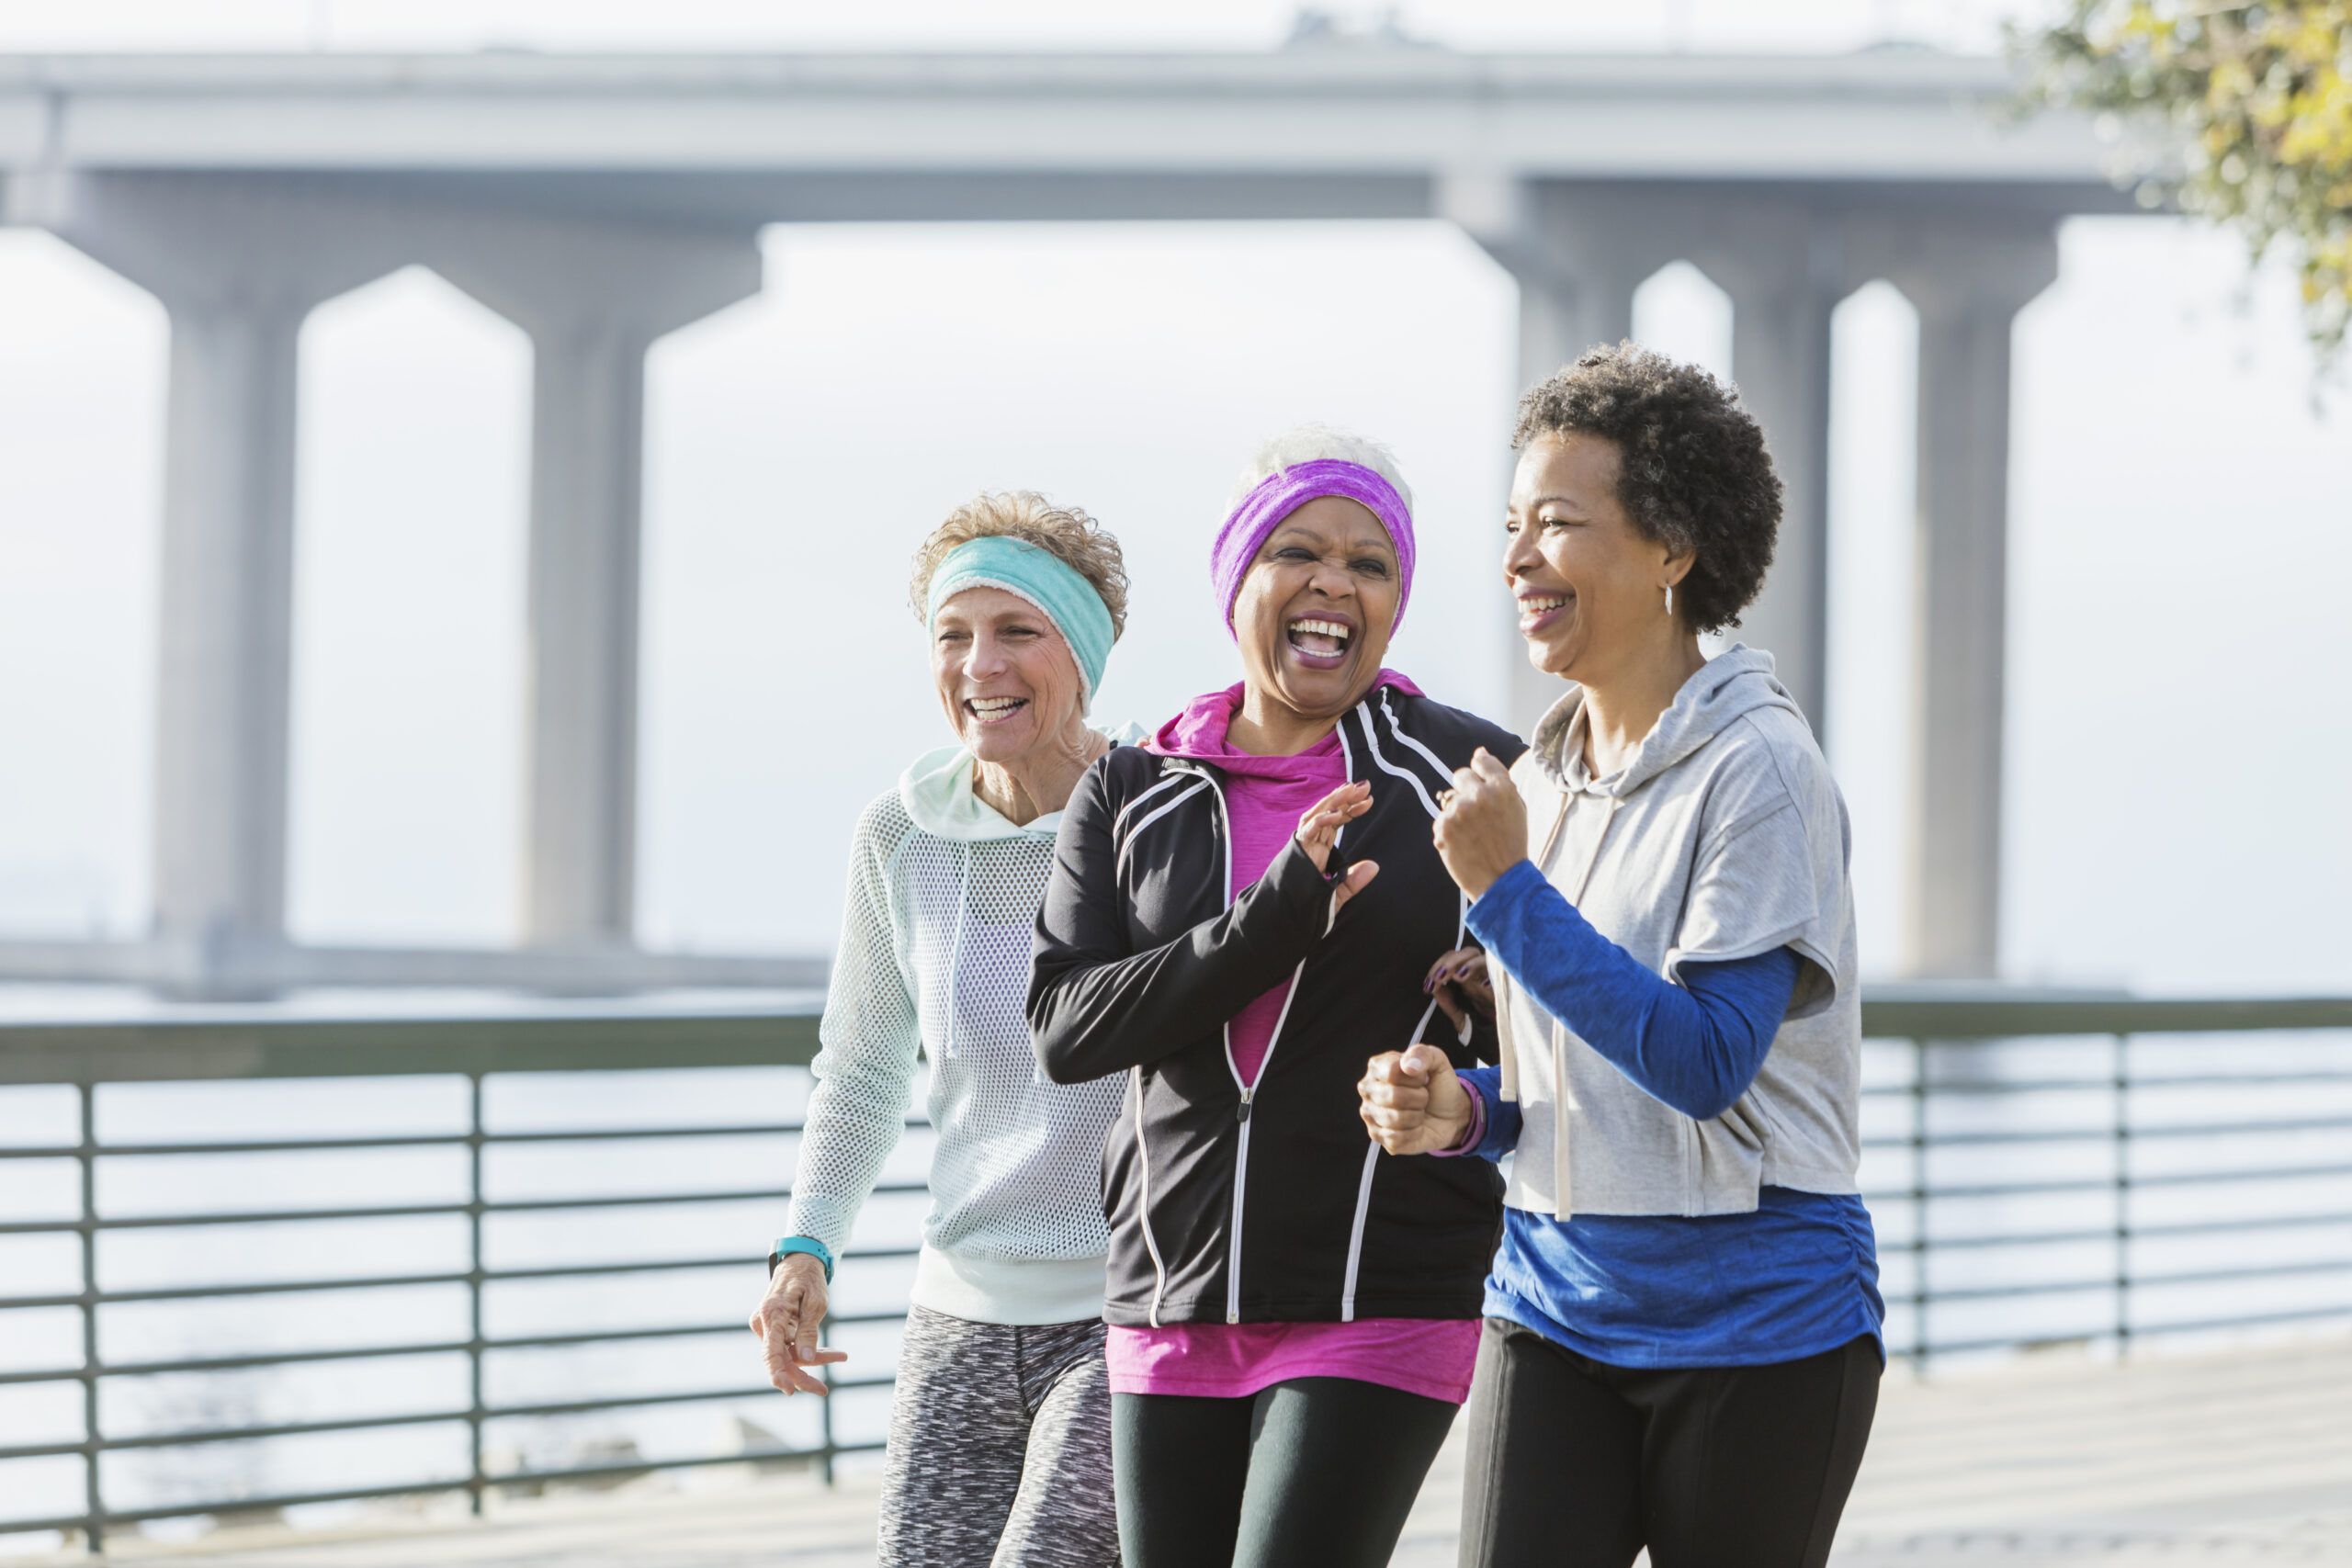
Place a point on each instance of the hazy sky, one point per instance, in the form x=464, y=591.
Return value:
x=1786, y=25
x=2178, y=745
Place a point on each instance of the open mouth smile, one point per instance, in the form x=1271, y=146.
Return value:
x=994, y=710
x=1321, y=642
x=1539, y=612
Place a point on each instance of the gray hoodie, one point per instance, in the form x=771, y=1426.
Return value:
x=1723, y=838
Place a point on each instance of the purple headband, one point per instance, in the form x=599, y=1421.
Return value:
x=1284, y=491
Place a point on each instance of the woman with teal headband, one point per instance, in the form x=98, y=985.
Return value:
x=1000, y=1444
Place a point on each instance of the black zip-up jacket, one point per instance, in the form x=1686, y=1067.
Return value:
x=1270, y=1205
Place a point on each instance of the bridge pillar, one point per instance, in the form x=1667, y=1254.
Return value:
x=1967, y=280
x=238, y=263
x=594, y=300
x=1783, y=272
x=1577, y=263
x=236, y=276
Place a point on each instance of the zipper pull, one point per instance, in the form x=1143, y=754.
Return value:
x=1241, y=1112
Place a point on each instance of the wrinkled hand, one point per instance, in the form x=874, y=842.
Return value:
x=1319, y=829
x=1481, y=828
x=1412, y=1104
x=1459, y=983
x=787, y=1321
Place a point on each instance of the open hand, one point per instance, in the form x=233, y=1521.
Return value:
x=1481, y=828
x=1412, y=1104
x=1459, y=983
x=1318, y=830
x=785, y=1321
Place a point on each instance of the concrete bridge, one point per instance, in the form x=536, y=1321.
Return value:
x=601, y=202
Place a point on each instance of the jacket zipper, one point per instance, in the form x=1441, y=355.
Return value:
x=1248, y=1091
x=1142, y=1208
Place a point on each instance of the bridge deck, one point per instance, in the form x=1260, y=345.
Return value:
x=2228, y=1457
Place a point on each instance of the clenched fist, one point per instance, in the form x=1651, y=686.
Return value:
x=1481, y=828
x=1412, y=1104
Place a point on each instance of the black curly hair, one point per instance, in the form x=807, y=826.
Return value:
x=1693, y=471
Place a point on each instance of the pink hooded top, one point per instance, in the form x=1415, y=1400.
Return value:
x=1264, y=797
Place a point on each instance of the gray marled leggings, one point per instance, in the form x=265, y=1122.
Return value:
x=999, y=1451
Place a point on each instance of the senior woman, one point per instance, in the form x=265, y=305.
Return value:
x=999, y=1450
x=1235, y=910
x=1682, y=1343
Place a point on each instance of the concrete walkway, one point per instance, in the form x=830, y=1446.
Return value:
x=2230, y=1459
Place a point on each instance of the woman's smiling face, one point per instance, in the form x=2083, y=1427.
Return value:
x=1317, y=606
x=1007, y=680
x=1590, y=585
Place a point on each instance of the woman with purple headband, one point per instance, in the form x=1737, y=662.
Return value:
x=1238, y=910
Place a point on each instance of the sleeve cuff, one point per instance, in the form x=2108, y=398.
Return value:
x=1504, y=893
x=1475, y=1133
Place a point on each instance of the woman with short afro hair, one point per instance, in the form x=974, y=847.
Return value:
x=1682, y=1341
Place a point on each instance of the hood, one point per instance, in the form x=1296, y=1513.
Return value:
x=1198, y=731
x=936, y=790
x=1735, y=681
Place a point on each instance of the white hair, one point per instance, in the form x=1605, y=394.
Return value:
x=1314, y=443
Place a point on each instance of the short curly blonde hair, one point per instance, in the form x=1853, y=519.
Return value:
x=1075, y=539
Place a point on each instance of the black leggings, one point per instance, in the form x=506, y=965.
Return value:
x=1575, y=1464
x=1314, y=1469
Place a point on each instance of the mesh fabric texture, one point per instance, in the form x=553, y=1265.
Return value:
x=934, y=955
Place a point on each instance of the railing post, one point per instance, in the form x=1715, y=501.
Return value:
x=2122, y=1196
x=477, y=1482
x=93, y=1498
x=1920, y=1293
x=825, y=1412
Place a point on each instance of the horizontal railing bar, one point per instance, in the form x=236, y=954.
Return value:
x=2107, y=1233
x=205, y=1436
x=181, y=1048
x=256, y=1044
x=430, y=1348
x=389, y=1281
x=404, y=1140
x=611, y=1134
x=156, y=1150
x=2169, y=1178
x=2022, y=1189
x=625, y=1402
x=424, y=1210
x=1926, y=1016
x=2106, y=1282
x=2106, y=1135
x=585, y=1271
x=201, y=1436
x=241, y=1363
x=2140, y=1079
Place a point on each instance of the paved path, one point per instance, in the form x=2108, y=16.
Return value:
x=2230, y=1459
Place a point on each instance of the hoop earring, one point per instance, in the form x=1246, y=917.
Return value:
x=1670, y=598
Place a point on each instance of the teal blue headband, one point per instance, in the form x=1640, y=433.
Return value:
x=1031, y=572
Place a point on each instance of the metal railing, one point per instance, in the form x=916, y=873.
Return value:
x=1932, y=1058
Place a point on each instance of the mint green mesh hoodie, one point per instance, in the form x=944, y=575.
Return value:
x=935, y=958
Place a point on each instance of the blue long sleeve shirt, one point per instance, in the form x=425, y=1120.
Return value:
x=1793, y=1278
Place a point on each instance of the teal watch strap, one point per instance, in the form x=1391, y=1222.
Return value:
x=807, y=1244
